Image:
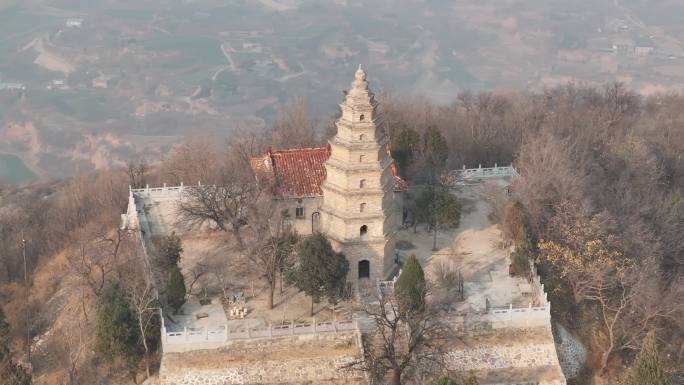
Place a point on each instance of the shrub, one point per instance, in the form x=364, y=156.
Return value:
x=321, y=271
x=175, y=289
x=410, y=287
x=170, y=250
x=647, y=369
x=445, y=381
x=117, y=334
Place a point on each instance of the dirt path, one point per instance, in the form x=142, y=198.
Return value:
x=226, y=53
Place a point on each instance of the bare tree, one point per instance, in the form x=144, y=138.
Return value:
x=449, y=280
x=401, y=340
x=95, y=258
x=273, y=242
x=137, y=174
x=295, y=128
x=247, y=142
x=75, y=345
x=143, y=300
x=197, y=160
x=225, y=205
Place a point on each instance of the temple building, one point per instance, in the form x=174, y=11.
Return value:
x=348, y=190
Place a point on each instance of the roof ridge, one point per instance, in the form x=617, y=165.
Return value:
x=282, y=150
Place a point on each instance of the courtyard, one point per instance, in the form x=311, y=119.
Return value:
x=476, y=248
x=216, y=271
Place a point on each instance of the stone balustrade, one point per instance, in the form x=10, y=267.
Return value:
x=205, y=338
x=162, y=193
x=456, y=176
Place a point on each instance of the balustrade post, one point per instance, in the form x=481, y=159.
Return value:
x=314, y=325
x=249, y=331
x=270, y=330
x=292, y=327
x=185, y=329
x=206, y=333
x=510, y=312
x=225, y=332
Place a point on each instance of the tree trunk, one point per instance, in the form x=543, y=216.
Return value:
x=83, y=306
x=281, y=281
x=434, y=238
x=396, y=377
x=147, y=349
x=606, y=357
x=238, y=237
x=271, y=290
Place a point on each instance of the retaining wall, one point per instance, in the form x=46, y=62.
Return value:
x=203, y=338
x=275, y=361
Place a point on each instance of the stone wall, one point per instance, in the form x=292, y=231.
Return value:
x=571, y=353
x=269, y=372
x=306, y=224
x=277, y=361
x=510, y=356
x=502, y=356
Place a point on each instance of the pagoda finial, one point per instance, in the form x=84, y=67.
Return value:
x=359, y=84
x=360, y=74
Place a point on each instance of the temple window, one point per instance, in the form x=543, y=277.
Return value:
x=362, y=231
x=362, y=207
x=362, y=158
x=299, y=212
x=362, y=183
x=361, y=117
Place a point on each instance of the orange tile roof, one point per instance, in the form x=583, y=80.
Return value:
x=298, y=173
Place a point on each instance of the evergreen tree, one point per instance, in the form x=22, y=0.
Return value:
x=321, y=272
x=516, y=223
x=517, y=228
x=175, y=289
x=4, y=335
x=10, y=372
x=447, y=209
x=445, y=381
x=435, y=152
x=405, y=145
x=410, y=287
x=170, y=250
x=117, y=333
x=647, y=369
x=437, y=207
x=525, y=251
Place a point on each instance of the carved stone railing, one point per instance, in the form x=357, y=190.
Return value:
x=207, y=337
x=386, y=287
x=464, y=174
